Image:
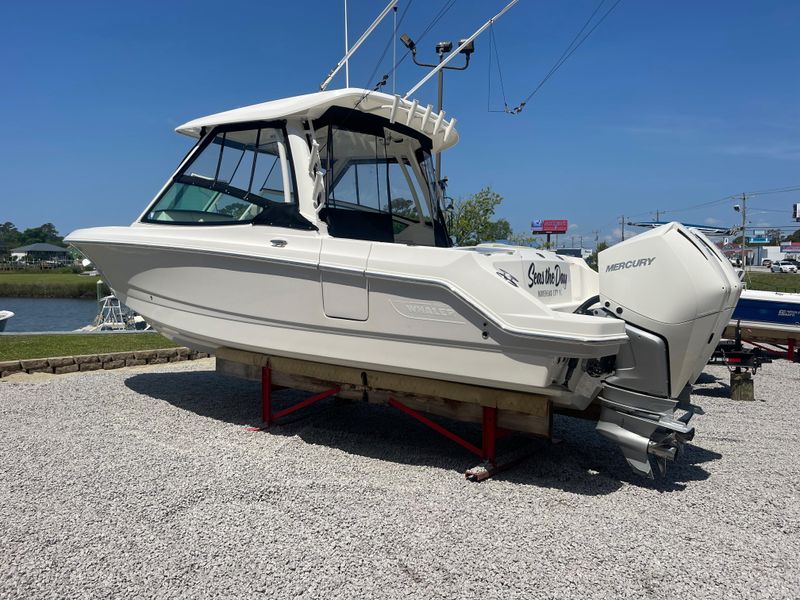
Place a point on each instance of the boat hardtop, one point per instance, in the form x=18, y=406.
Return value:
x=393, y=109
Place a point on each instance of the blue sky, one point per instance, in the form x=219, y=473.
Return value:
x=666, y=105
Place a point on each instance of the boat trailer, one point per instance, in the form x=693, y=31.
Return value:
x=498, y=412
x=775, y=341
x=743, y=363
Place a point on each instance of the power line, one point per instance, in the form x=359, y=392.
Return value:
x=732, y=197
x=568, y=51
x=698, y=206
x=791, y=188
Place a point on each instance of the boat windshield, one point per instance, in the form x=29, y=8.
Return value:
x=379, y=185
x=235, y=175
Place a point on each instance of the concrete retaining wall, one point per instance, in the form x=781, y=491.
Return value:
x=96, y=362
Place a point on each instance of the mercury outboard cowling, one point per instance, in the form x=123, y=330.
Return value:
x=676, y=292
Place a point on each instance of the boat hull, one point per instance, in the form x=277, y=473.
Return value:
x=770, y=317
x=207, y=300
x=5, y=315
x=769, y=308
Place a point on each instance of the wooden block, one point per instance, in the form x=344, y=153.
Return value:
x=318, y=371
x=234, y=368
x=242, y=356
x=742, y=386
x=463, y=402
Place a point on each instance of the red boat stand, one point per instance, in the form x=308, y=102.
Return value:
x=488, y=450
x=267, y=416
x=490, y=431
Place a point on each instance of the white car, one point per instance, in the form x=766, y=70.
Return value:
x=782, y=266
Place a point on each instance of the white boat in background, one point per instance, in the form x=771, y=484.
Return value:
x=312, y=227
x=5, y=315
x=112, y=315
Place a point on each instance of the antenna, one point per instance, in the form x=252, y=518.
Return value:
x=394, y=49
x=346, y=48
x=351, y=51
x=464, y=44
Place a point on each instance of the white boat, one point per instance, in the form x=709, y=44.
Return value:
x=112, y=315
x=5, y=315
x=311, y=227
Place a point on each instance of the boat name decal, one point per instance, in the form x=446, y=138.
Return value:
x=631, y=264
x=507, y=276
x=553, y=277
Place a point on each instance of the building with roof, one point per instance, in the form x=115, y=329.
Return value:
x=40, y=252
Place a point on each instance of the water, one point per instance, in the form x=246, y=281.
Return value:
x=48, y=314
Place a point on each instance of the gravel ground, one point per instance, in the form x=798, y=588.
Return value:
x=144, y=482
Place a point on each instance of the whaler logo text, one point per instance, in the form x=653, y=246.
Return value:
x=631, y=264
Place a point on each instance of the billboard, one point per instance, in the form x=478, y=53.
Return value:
x=790, y=247
x=549, y=226
x=758, y=240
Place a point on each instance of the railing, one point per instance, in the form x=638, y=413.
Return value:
x=40, y=265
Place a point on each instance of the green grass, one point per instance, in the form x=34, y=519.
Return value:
x=19, y=347
x=38, y=284
x=773, y=282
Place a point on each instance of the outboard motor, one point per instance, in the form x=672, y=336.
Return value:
x=676, y=292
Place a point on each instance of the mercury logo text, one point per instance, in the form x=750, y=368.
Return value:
x=631, y=264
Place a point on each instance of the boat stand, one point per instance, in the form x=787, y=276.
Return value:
x=267, y=416
x=490, y=431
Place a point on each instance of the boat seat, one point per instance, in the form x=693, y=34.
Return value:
x=359, y=224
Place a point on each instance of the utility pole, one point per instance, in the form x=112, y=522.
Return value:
x=573, y=241
x=658, y=216
x=744, y=237
x=622, y=226
x=581, y=237
x=596, y=234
